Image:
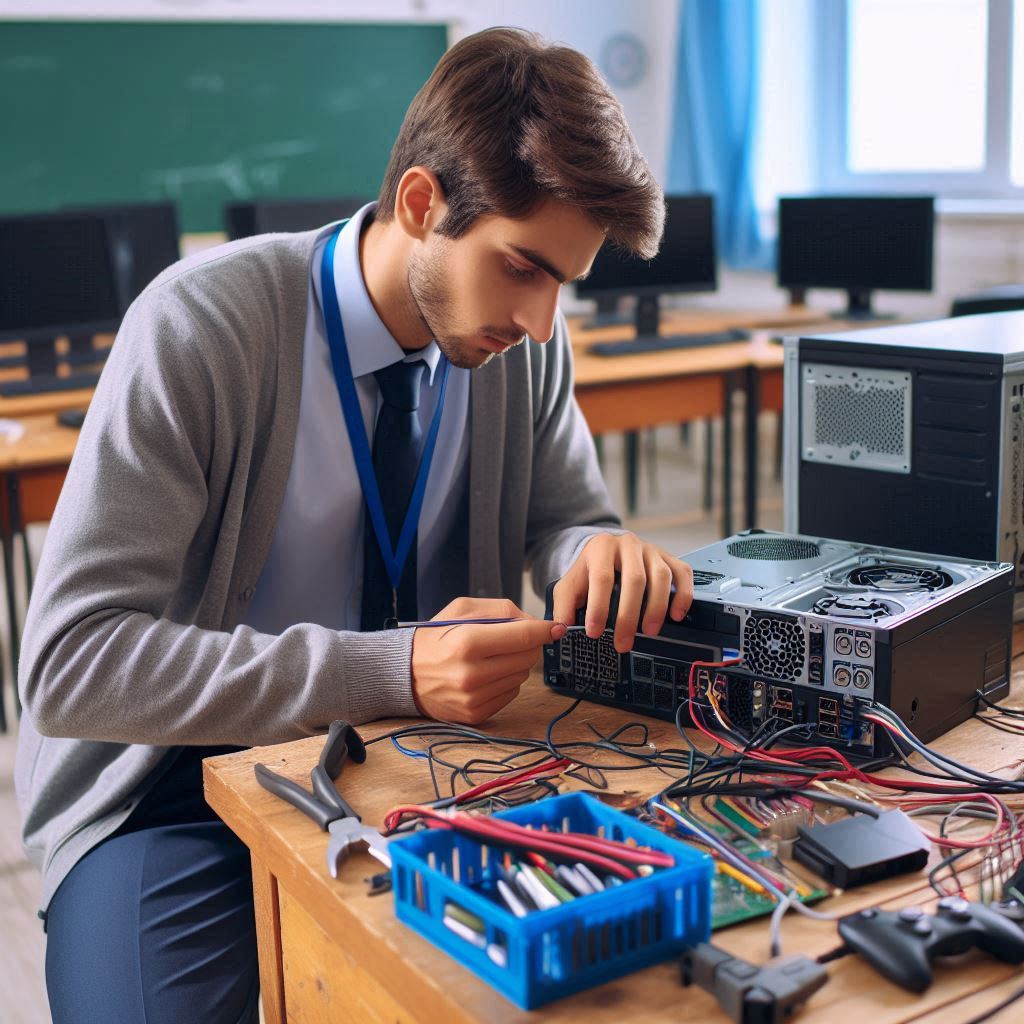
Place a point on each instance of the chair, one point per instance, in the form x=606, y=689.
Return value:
x=991, y=300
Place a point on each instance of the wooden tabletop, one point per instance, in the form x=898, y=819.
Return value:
x=361, y=938
x=762, y=349
x=42, y=442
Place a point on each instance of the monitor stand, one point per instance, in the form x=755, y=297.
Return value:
x=858, y=307
x=41, y=355
x=82, y=350
x=608, y=314
x=648, y=313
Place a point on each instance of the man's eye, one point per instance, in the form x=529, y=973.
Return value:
x=518, y=273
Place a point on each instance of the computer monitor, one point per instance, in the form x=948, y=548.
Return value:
x=858, y=243
x=263, y=216
x=56, y=280
x=143, y=240
x=55, y=276
x=685, y=263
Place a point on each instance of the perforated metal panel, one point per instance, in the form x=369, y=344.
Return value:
x=854, y=416
x=774, y=647
x=774, y=549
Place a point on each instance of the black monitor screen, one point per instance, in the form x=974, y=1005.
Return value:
x=856, y=242
x=685, y=262
x=54, y=272
x=263, y=216
x=143, y=240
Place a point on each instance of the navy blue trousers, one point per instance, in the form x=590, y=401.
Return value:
x=156, y=923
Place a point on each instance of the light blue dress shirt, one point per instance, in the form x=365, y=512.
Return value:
x=314, y=572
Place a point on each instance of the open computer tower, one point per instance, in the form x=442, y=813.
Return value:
x=910, y=436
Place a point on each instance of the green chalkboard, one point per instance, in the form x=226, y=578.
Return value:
x=94, y=112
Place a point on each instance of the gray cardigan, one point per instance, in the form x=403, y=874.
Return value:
x=132, y=643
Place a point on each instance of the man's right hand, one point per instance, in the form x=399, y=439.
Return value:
x=468, y=673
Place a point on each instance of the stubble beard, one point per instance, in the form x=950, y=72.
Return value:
x=430, y=295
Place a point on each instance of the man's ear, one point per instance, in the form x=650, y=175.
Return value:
x=419, y=202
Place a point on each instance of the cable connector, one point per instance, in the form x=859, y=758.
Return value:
x=751, y=994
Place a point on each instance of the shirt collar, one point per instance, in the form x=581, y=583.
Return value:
x=371, y=346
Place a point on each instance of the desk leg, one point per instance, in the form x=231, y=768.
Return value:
x=709, y=464
x=17, y=530
x=753, y=407
x=7, y=533
x=268, y=941
x=730, y=390
x=631, y=441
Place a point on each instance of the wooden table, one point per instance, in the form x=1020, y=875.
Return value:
x=329, y=952
x=636, y=392
x=32, y=470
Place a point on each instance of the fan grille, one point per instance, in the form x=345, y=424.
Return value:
x=857, y=608
x=773, y=647
x=774, y=549
x=893, y=576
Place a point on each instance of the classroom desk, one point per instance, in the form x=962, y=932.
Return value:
x=16, y=406
x=637, y=392
x=32, y=472
x=329, y=952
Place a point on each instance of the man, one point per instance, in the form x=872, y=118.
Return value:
x=297, y=437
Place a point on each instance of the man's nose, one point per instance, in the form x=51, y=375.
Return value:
x=535, y=314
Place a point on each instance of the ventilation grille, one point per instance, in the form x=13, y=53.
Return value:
x=703, y=578
x=595, y=659
x=1016, y=424
x=740, y=702
x=774, y=549
x=856, y=417
x=872, y=418
x=774, y=647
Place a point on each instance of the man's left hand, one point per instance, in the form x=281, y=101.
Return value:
x=642, y=567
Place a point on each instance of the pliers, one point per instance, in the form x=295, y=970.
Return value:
x=325, y=805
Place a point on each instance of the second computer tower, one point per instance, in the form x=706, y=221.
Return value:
x=910, y=436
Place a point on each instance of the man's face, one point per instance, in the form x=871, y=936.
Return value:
x=483, y=293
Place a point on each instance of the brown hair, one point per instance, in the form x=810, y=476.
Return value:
x=506, y=121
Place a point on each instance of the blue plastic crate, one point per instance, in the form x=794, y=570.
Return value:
x=553, y=953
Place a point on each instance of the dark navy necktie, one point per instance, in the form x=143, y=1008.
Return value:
x=397, y=446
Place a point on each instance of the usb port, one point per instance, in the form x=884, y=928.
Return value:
x=642, y=666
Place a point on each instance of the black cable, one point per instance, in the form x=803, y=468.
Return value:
x=946, y=862
x=988, y=1014
x=938, y=759
x=1012, y=712
x=1001, y=726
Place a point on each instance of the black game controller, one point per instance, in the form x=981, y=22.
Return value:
x=901, y=945
x=1012, y=910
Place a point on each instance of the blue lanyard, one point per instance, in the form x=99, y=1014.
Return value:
x=394, y=557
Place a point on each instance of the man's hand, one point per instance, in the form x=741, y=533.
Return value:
x=641, y=567
x=468, y=673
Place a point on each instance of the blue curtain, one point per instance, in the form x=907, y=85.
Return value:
x=715, y=117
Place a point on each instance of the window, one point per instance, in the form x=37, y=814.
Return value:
x=922, y=96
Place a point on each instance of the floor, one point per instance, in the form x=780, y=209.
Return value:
x=670, y=513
